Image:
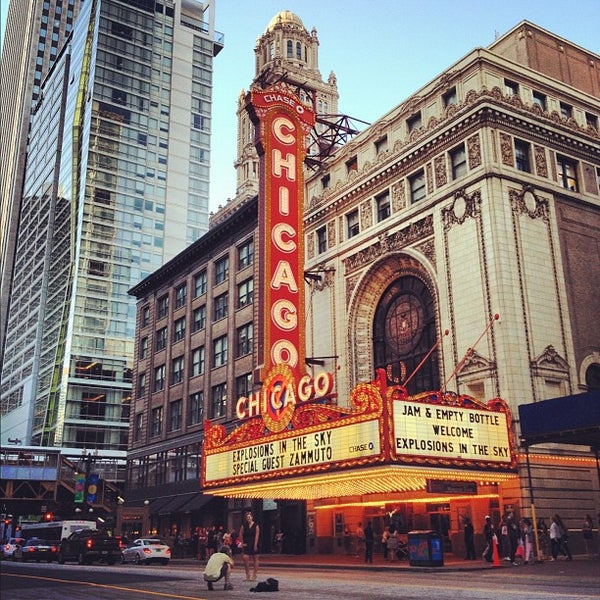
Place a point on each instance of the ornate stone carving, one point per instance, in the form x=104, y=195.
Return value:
x=310, y=246
x=549, y=362
x=506, y=149
x=541, y=166
x=441, y=174
x=525, y=202
x=464, y=207
x=427, y=248
x=391, y=243
x=398, y=196
x=429, y=178
x=474, y=151
x=366, y=215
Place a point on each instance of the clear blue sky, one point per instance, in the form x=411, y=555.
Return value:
x=381, y=51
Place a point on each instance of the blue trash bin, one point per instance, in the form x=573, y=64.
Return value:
x=425, y=549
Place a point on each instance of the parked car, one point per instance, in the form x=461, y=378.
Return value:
x=89, y=545
x=8, y=548
x=36, y=549
x=146, y=550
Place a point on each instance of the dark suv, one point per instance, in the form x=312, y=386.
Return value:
x=88, y=545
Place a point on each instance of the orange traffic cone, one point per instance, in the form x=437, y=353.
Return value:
x=495, y=554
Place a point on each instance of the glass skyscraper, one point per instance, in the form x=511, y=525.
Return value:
x=115, y=184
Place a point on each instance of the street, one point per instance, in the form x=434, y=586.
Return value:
x=579, y=580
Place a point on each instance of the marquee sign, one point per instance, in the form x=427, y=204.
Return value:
x=445, y=428
x=282, y=124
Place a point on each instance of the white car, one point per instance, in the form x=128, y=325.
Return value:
x=145, y=551
x=8, y=548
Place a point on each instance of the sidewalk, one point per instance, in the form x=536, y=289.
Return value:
x=580, y=566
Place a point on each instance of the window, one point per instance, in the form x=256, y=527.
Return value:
x=199, y=316
x=220, y=307
x=566, y=110
x=157, y=419
x=177, y=365
x=145, y=316
x=218, y=403
x=245, y=294
x=175, y=409
x=243, y=385
x=197, y=367
x=381, y=145
x=161, y=339
x=352, y=164
x=322, y=240
x=141, y=386
x=522, y=156
x=383, y=206
x=162, y=307
x=180, y=296
x=144, y=347
x=139, y=423
x=567, y=173
x=159, y=378
x=512, y=87
x=591, y=120
x=539, y=99
x=352, y=224
x=244, y=340
x=221, y=270
x=196, y=409
x=413, y=123
x=325, y=181
x=200, y=284
x=458, y=160
x=179, y=330
x=220, y=351
x=417, y=186
x=450, y=97
x=246, y=254
x=290, y=49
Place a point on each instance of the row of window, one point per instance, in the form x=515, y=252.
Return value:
x=197, y=360
x=196, y=409
x=567, y=170
x=245, y=254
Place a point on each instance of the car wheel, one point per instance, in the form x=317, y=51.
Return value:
x=136, y=560
x=123, y=560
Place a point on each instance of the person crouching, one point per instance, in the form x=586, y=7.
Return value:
x=219, y=565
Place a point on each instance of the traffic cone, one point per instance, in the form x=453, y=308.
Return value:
x=495, y=554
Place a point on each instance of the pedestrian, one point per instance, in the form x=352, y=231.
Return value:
x=587, y=528
x=513, y=537
x=385, y=536
x=202, y=540
x=558, y=538
x=219, y=565
x=369, y=543
x=469, y=539
x=392, y=544
x=250, y=534
x=527, y=537
x=360, y=539
x=489, y=534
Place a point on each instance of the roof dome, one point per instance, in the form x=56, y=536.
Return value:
x=285, y=17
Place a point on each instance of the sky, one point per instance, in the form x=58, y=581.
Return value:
x=381, y=51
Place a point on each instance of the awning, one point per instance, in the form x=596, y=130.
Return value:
x=571, y=419
x=174, y=504
x=372, y=480
x=196, y=502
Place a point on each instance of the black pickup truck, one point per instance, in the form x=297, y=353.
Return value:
x=88, y=545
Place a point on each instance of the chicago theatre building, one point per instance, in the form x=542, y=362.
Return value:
x=425, y=339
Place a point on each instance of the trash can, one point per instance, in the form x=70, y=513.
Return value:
x=425, y=549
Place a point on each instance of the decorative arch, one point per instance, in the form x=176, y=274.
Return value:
x=369, y=292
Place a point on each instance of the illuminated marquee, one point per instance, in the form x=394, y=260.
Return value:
x=282, y=124
x=449, y=431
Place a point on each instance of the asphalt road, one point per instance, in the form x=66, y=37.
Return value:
x=548, y=581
